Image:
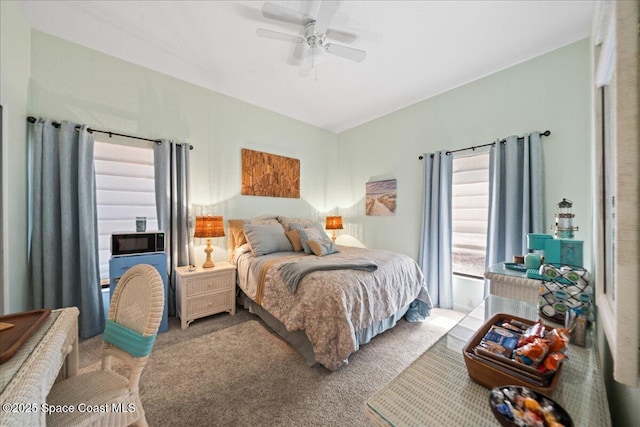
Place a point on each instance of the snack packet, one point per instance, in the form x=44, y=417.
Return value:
x=558, y=339
x=532, y=353
x=534, y=331
x=552, y=361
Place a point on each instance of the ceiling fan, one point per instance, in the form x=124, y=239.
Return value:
x=314, y=34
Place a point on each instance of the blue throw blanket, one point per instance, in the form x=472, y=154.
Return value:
x=292, y=272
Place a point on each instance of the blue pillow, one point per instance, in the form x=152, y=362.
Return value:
x=266, y=238
x=309, y=232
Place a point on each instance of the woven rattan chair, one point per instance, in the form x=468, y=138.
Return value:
x=104, y=397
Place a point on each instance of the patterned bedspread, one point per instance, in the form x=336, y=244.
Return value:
x=330, y=306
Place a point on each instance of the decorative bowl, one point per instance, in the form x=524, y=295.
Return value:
x=515, y=406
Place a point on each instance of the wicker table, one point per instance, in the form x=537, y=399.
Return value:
x=435, y=390
x=512, y=284
x=51, y=353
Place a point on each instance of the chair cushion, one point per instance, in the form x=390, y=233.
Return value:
x=95, y=390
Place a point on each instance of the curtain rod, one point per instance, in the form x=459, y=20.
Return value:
x=32, y=119
x=520, y=138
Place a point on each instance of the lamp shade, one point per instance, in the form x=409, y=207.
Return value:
x=334, y=223
x=209, y=226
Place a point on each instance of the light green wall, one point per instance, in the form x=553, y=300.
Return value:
x=548, y=92
x=74, y=83
x=15, y=64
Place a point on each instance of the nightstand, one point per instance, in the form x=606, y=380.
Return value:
x=204, y=292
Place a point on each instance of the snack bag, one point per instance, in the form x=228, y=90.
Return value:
x=558, y=339
x=534, y=331
x=500, y=341
x=552, y=361
x=532, y=353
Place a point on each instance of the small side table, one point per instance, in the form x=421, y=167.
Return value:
x=204, y=292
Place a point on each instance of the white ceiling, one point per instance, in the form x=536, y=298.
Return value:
x=415, y=49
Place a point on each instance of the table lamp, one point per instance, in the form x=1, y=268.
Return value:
x=334, y=223
x=208, y=227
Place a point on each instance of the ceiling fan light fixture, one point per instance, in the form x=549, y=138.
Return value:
x=316, y=55
x=314, y=34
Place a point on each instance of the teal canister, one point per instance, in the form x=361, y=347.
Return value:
x=532, y=261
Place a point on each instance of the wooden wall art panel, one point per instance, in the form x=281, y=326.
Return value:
x=265, y=174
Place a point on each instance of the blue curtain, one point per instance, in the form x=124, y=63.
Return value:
x=173, y=203
x=435, y=244
x=63, y=251
x=516, y=197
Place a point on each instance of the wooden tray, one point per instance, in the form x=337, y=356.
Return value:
x=490, y=372
x=24, y=324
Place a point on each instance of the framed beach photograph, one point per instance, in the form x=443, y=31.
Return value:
x=381, y=197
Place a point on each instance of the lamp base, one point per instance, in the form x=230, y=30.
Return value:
x=208, y=263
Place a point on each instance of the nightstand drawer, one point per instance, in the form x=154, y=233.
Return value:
x=209, y=304
x=206, y=284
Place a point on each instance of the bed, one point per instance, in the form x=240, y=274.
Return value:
x=325, y=300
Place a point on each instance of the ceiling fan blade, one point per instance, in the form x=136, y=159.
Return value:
x=299, y=52
x=341, y=36
x=274, y=11
x=278, y=36
x=325, y=15
x=345, y=52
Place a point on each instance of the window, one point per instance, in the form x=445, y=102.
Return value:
x=125, y=189
x=608, y=188
x=470, y=207
x=616, y=199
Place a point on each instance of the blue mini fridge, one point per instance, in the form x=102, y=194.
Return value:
x=118, y=265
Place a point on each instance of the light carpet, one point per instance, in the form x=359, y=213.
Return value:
x=233, y=371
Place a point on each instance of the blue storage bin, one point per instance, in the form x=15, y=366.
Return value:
x=537, y=241
x=564, y=251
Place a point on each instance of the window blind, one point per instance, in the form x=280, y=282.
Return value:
x=470, y=207
x=125, y=189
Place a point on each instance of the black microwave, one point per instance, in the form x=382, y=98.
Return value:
x=127, y=243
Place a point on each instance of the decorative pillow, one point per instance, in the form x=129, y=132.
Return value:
x=236, y=227
x=264, y=219
x=288, y=221
x=266, y=238
x=294, y=238
x=309, y=232
x=235, y=236
x=322, y=247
